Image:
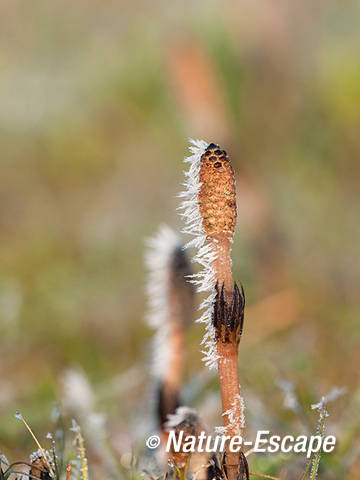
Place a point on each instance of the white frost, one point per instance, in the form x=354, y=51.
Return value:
x=181, y=413
x=323, y=414
x=335, y=393
x=235, y=417
x=158, y=259
x=78, y=395
x=205, y=279
x=38, y=454
x=290, y=399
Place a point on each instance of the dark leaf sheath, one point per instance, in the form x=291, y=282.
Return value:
x=243, y=468
x=243, y=471
x=228, y=318
x=214, y=471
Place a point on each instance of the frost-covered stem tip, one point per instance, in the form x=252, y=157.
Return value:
x=210, y=215
x=171, y=304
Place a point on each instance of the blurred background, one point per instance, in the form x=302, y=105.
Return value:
x=97, y=101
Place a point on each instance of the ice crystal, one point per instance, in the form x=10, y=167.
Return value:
x=77, y=393
x=18, y=416
x=181, y=414
x=158, y=259
x=320, y=430
x=334, y=394
x=290, y=399
x=38, y=454
x=235, y=416
x=205, y=279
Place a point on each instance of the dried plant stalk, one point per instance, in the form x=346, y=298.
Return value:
x=210, y=213
x=171, y=303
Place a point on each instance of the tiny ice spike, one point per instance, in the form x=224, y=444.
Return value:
x=18, y=415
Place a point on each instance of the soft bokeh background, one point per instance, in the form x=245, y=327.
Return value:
x=97, y=100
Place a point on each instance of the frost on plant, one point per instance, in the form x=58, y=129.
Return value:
x=320, y=430
x=205, y=279
x=3, y=460
x=235, y=416
x=181, y=414
x=77, y=393
x=291, y=401
x=158, y=259
x=333, y=395
x=38, y=454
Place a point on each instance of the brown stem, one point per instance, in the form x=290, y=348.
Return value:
x=217, y=206
x=170, y=388
x=229, y=382
x=173, y=376
x=262, y=475
x=180, y=297
x=68, y=471
x=221, y=245
x=230, y=391
x=227, y=350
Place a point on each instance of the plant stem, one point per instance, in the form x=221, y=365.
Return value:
x=227, y=342
x=217, y=205
x=262, y=475
x=221, y=245
x=210, y=211
x=68, y=471
x=230, y=391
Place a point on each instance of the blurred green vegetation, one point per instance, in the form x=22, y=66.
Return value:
x=97, y=103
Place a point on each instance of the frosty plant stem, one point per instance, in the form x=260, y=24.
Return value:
x=81, y=449
x=171, y=305
x=210, y=215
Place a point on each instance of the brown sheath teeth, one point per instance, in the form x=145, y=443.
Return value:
x=214, y=471
x=228, y=318
x=243, y=472
x=39, y=469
